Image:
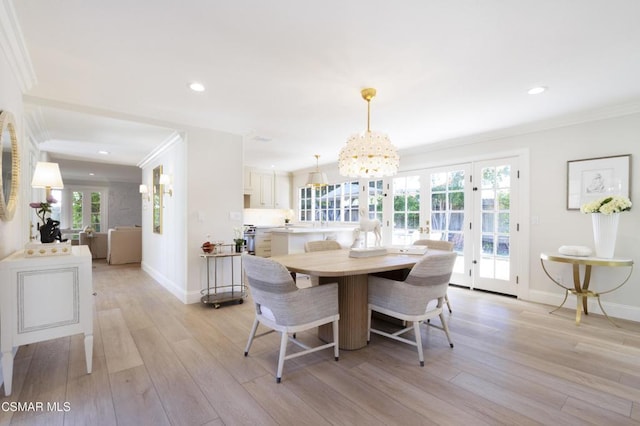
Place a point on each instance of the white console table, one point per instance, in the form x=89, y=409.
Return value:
x=44, y=298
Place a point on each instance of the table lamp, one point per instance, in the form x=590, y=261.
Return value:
x=47, y=176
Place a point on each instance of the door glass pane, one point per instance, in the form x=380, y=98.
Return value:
x=439, y=223
x=495, y=226
x=456, y=221
x=438, y=202
x=406, y=208
x=447, y=211
x=375, y=198
x=76, y=210
x=95, y=211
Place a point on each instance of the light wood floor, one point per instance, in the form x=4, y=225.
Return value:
x=157, y=362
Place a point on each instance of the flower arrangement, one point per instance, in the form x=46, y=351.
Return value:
x=239, y=236
x=49, y=229
x=607, y=205
x=43, y=208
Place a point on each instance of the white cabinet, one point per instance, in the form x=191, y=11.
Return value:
x=262, y=195
x=263, y=242
x=44, y=298
x=268, y=189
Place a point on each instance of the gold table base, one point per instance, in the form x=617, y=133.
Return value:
x=581, y=287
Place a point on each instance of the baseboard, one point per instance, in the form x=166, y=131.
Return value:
x=614, y=310
x=165, y=282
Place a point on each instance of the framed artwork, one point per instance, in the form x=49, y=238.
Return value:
x=594, y=178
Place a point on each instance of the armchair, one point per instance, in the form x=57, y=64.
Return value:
x=284, y=308
x=320, y=245
x=409, y=300
x=437, y=245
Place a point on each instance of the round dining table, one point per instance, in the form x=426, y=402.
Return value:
x=351, y=275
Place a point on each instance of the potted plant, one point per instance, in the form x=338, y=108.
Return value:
x=239, y=239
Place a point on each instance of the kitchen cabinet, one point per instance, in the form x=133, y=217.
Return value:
x=263, y=242
x=262, y=196
x=268, y=189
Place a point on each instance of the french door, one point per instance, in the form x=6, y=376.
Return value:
x=495, y=225
x=448, y=215
x=473, y=206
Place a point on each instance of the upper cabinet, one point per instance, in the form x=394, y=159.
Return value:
x=268, y=189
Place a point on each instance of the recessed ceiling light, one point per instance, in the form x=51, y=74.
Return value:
x=536, y=90
x=196, y=86
x=92, y=174
x=102, y=152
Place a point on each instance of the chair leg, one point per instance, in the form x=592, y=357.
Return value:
x=416, y=331
x=446, y=299
x=254, y=328
x=336, y=340
x=283, y=351
x=445, y=327
x=369, y=326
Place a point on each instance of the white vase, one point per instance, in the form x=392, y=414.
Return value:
x=605, y=230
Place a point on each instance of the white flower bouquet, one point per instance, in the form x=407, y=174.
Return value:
x=607, y=205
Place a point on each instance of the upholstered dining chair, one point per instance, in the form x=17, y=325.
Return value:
x=320, y=245
x=437, y=245
x=283, y=307
x=409, y=300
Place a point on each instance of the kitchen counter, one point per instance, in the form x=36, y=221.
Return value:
x=291, y=239
x=311, y=229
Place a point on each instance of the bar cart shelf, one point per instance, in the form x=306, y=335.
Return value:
x=216, y=294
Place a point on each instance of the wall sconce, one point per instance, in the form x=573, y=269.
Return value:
x=144, y=192
x=165, y=181
x=47, y=176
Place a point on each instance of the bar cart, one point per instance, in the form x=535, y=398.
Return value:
x=234, y=291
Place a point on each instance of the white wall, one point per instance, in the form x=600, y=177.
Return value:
x=207, y=171
x=124, y=207
x=549, y=152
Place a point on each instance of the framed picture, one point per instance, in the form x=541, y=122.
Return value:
x=594, y=178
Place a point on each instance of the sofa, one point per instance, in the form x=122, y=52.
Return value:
x=97, y=243
x=124, y=245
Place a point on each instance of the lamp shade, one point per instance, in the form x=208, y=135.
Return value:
x=47, y=175
x=165, y=179
x=143, y=189
x=317, y=179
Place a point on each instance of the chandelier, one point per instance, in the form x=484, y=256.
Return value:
x=317, y=179
x=370, y=154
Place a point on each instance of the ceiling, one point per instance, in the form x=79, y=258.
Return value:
x=287, y=74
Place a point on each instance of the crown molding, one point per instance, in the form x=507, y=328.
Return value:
x=12, y=43
x=567, y=120
x=35, y=125
x=173, y=139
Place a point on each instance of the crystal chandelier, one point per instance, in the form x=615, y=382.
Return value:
x=370, y=154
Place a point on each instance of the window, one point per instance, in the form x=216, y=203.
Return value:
x=84, y=207
x=306, y=200
x=331, y=203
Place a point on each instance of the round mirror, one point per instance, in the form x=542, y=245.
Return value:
x=9, y=165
